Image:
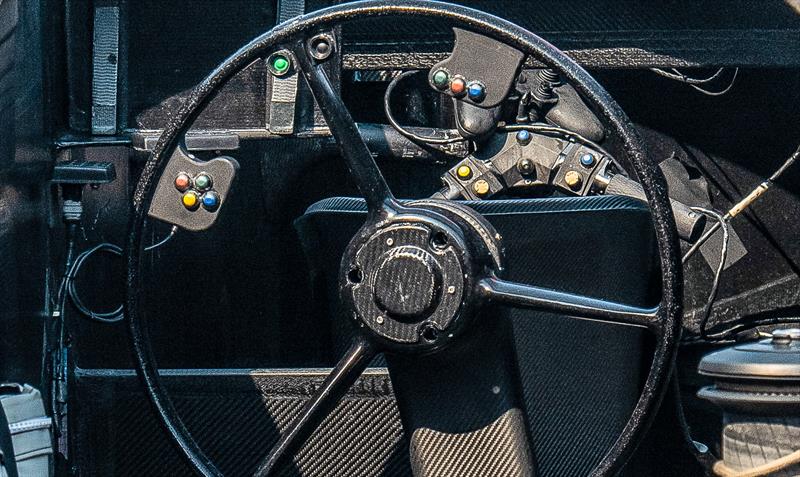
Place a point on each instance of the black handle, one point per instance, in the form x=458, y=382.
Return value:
x=688, y=222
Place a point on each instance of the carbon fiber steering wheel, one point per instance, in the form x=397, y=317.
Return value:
x=416, y=276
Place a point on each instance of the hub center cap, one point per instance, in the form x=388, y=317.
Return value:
x=407, y=282
x=406, y=279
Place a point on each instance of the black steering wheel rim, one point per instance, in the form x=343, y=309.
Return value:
x=650, y=177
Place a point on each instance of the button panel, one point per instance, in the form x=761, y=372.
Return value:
x=191, y=192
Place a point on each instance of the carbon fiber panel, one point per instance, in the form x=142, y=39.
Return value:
x=237, y=415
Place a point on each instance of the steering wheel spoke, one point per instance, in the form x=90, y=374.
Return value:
x=343, y=375
x=362, y=166
x=521, y=295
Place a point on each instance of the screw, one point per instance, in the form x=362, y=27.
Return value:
x=379, y=320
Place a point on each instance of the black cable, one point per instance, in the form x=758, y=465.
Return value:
x=68, y=288
x=103, y=317
x=387, y=107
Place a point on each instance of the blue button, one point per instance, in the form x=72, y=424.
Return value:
x=523, y=137
x=587, y=159
x=210, y=200
x=476, y=91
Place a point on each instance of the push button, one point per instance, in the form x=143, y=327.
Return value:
x=476, y=91
x=183, y=182
x=458, y=86
x=190, y=200
x=440, y=79
x=210, y=200
x=202, y=182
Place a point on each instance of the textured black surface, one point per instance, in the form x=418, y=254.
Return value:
x=237, y=415
x=580, y=380
x=168, y=46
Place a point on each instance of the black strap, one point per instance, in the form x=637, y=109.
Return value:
x=9, y=460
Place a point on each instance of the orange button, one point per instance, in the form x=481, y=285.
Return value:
x=458, y=86
x=183, y=182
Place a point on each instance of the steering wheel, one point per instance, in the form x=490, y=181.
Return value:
x=434, y=266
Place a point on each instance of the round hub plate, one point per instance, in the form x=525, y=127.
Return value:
x=407, y=281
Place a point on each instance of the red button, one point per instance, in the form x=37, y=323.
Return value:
x=183, y=182
x=458, y=86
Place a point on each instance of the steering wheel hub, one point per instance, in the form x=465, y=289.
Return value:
x=407, y=278
x=407, y=282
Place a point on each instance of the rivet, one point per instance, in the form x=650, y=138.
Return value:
x=390, y=241
x=451, y=289
x=379, y=320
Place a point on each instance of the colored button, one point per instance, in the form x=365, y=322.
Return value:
x=183, y=182
x=523, y=137
x=587, y=160
x=464, y=172
x=210, y=200
x=476, y=91
x=440, y=79
x=573, y=179
x=202, y=181
x=481, y=187
x=458, y=86
x=190, y=200
x=280, y=64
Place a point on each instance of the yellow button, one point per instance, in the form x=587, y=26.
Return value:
x=573, y=179
x=190, y=200
x=464, y=172
x=481, y=187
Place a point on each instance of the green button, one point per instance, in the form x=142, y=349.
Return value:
x=440, y=78
x=280, y=63
x=202, y=182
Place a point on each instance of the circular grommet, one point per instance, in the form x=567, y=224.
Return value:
x=320, y=47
